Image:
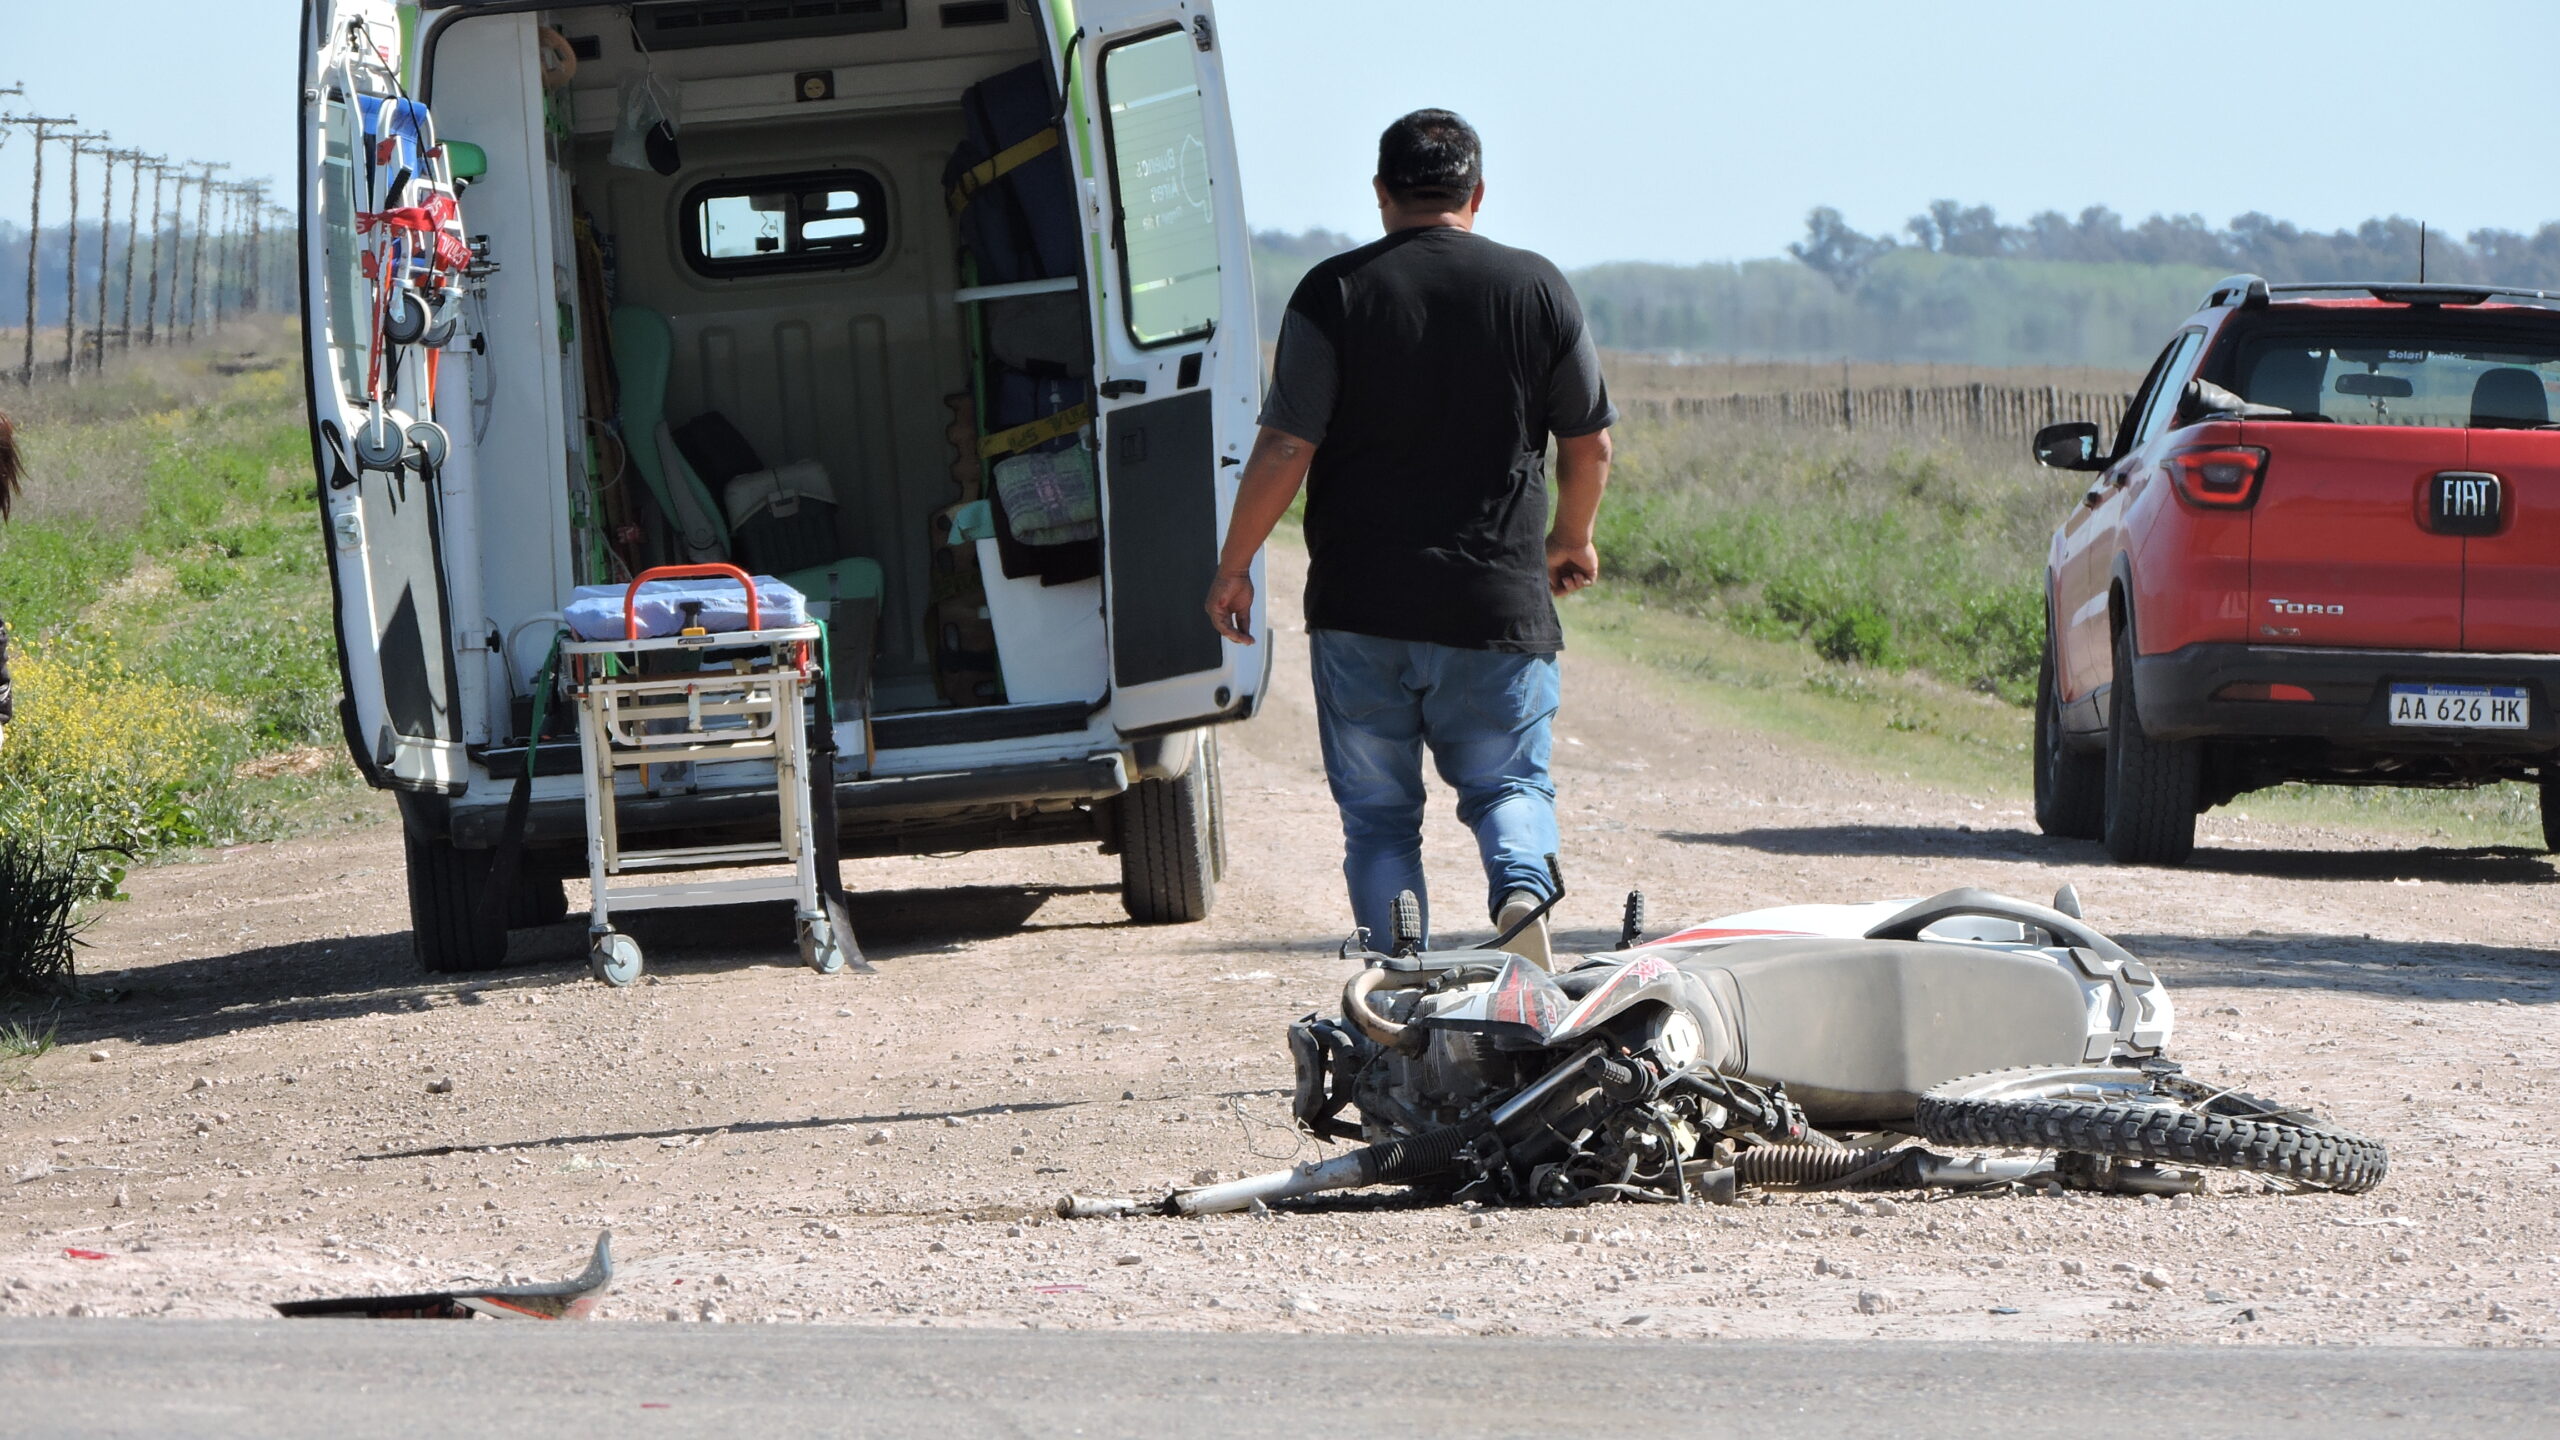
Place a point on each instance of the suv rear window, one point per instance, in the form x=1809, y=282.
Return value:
x=2371, y=376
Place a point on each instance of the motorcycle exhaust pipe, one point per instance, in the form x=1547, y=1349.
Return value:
x=1343, y=1172
x=1389, y=1162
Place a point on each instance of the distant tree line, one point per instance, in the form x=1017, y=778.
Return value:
x=2383, y=249
x=1960, y=287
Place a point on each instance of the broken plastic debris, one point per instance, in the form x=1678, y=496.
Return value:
x=78, y=1254
x=573, y=1299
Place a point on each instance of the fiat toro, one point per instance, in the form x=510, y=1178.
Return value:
x=2319, y=547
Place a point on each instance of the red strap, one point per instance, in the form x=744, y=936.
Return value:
x=631, y=597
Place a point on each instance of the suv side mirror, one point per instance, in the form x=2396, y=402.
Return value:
x=2071, y=445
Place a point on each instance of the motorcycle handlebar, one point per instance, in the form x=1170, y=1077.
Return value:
x=1990, y=906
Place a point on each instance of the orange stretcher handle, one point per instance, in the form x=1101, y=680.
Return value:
x=631, y=597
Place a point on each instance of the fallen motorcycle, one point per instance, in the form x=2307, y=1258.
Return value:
x=1810, y=1047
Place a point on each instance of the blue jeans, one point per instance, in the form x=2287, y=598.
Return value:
x=1486, y=716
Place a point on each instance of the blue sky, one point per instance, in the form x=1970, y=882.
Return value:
x=1679, y=130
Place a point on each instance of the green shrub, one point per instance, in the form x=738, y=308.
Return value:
x=1856, y=636
x=40, y=892
x=108, y=762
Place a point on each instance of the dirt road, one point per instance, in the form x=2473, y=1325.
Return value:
x=264, y=1114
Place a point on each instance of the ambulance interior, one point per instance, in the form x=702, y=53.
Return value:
x=793, y=287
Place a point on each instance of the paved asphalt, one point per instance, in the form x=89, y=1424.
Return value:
x=63, y=1379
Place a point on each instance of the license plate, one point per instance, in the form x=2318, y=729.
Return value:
x=2462, y=707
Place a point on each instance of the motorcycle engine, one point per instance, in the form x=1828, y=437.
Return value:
x=1399, y=1093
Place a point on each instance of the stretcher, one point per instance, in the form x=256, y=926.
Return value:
x=707, y=681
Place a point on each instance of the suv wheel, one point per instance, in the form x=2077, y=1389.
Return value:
x=2551, y=807
x=2152, y=785
x=1169, y=845
x=2071, y=785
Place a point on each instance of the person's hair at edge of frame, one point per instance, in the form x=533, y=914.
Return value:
x=9, y=465
x=1430, y=155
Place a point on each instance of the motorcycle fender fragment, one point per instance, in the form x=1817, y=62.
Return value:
x=1320, y=1052
x=2128, y=1007
x=1306, y=1055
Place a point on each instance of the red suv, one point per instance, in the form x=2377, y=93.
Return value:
x=2324, y=545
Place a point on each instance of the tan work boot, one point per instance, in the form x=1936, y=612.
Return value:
x=1530, y=944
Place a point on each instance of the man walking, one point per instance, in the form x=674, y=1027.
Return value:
x=1417, y=382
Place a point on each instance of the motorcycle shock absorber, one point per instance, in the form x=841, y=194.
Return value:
x=1800, y=1166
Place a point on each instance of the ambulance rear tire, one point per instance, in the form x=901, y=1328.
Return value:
x=448, y=893
x=1168, y=847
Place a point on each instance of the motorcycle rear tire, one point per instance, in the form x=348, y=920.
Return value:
x=2116, y=1112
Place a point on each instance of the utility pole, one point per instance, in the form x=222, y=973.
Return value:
x=226, y=295
x=35, y=230
x=71, y=268
x=204, y=219
x=178, y=182
x=106, y=257
x=151, y=305
x=221, y=233
x=132, y=232
x=254, y=196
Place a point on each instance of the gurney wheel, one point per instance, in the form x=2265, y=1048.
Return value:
x=381, y=444
x=432, y=444
x=614, y=958
x=819, y=948
x=404, y=318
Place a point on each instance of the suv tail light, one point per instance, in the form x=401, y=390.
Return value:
x=2219, y=477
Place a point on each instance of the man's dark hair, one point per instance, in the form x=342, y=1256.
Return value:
x=1430, y=155
x=9, y=465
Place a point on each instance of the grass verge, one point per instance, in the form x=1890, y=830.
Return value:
x=176, y=684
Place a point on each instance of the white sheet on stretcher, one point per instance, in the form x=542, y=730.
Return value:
x=595, y=611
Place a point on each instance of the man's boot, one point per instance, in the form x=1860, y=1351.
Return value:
x=1530, y=944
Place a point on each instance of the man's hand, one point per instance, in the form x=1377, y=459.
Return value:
x=1272, y=475
x=1582, y=472
x=1230, y=605
x=1570, y=566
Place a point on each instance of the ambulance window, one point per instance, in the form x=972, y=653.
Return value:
x=753, y=226
x=343, y=286
x=1168, y=226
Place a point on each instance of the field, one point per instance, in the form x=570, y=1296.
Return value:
x=1637, y=376
x=176, y=681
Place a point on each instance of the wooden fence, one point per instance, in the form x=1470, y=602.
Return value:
x=1976, y=409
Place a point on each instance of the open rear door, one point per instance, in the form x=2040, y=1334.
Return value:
x=385, y=559
x=1180, y=355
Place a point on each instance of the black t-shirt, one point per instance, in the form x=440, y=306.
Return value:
x=1428, y=370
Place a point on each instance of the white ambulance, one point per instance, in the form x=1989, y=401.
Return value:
x=939, y=310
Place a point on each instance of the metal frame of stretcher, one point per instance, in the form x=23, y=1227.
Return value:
x=749, y=703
